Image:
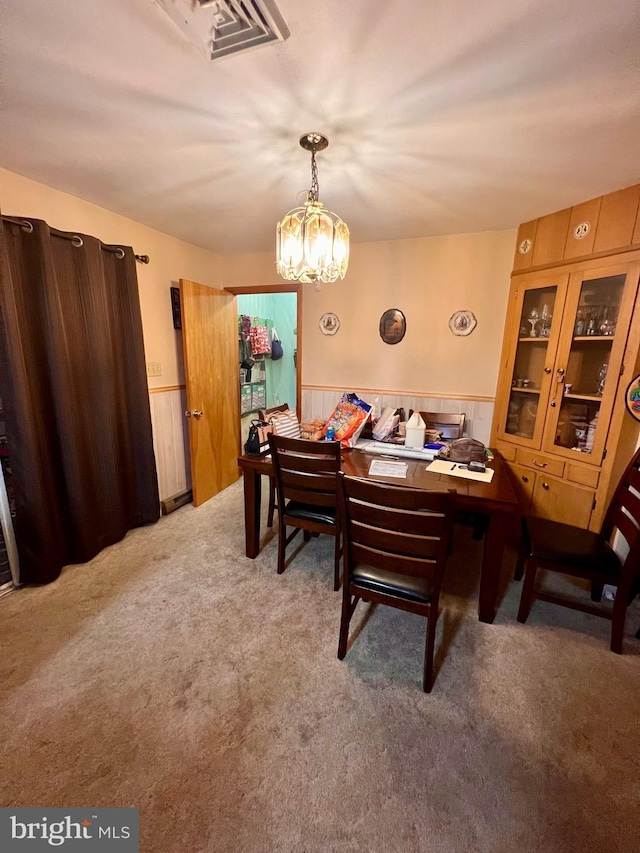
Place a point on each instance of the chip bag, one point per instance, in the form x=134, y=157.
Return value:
x=348, y=419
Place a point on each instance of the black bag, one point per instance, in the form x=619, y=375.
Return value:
x=257, y=442
x=276, y=346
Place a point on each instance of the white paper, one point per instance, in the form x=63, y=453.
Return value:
x=454, y=469
x=388, y=468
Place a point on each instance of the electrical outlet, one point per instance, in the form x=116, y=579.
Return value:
x=154, y=368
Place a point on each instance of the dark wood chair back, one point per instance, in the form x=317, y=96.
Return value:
x=306, y=470
x=263, y=414
x=450, y=425
x=305, y=474
x=395, y=544
x=623, y=512
x=569, y=550
x=403, y=531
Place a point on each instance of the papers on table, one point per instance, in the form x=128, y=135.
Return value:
x=453, y=469
x=387, y=468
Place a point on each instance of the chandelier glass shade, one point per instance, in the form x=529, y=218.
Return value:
x=312, y=243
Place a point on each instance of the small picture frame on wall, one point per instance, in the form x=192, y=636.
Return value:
x=175, y=307
x=392, y=326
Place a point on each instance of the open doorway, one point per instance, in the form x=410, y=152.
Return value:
x=269, y=382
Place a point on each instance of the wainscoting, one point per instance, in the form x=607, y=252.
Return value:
x=319, y=402
x=171, y=434
x=170, y=439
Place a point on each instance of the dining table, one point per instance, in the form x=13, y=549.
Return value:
x=496, y=500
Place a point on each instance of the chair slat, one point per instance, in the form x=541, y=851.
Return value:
x=420, y=522
x=393, y=541
x=397, y=564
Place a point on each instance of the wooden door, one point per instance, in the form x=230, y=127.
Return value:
x=209, y=340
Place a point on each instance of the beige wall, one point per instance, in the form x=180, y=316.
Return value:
x=171, y=259
x=427, y=279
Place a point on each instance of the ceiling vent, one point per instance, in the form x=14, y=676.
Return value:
x=221, y=27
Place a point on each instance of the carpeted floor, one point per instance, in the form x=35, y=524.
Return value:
x=173, y=674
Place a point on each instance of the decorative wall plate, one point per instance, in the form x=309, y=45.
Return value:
x=329, y=324
x=393, y=326
x=462, y=322
x=632, y=398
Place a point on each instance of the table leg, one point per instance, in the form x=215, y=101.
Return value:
x=252, y=496
x=494, y=543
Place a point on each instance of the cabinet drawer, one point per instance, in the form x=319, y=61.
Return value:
x=507, y=451
x=583, y=476
x=561, y=501
x=540, y=461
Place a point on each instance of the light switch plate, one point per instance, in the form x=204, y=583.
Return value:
x=154, y=368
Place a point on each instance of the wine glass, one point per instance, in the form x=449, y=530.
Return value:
x=534, y=317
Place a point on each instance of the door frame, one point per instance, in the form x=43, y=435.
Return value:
x=292, y=287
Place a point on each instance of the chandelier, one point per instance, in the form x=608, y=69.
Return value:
x=312, y=243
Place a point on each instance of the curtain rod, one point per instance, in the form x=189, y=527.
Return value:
x=76, y=239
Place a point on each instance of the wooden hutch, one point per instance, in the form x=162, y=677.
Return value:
x=571, y=348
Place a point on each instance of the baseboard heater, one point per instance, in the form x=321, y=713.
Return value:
x=176, y=501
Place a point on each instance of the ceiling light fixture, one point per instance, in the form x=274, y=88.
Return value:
x=312, y=243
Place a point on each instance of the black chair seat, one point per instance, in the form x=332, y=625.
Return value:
x=388, y=583
x=554, y=542
x=309, y=512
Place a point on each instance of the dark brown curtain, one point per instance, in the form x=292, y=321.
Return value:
x=73, y=384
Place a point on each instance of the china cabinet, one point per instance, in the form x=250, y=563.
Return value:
x=571, y=347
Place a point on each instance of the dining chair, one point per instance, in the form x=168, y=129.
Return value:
x=305, y=473
x=395, y=547
x=263, y=414
x=570, y=550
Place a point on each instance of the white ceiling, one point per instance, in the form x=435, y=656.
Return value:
x=444, y=116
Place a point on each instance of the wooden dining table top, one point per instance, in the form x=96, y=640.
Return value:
x=498, y=495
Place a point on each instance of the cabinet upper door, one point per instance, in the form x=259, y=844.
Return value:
x=533, y=331
x=596, y=322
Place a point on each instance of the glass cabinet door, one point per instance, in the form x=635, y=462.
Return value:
x=539, y=306
x=597, y=317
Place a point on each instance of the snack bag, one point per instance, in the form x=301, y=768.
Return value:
x=348, y=419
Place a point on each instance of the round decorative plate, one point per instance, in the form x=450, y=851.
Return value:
x=462, y=322
x=632, y=398
x=329, y=324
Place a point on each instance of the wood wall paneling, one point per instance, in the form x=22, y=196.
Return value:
x=577, y=247
x=170, y=441
x=551, y=237
x=527, y=231
x=617, y=219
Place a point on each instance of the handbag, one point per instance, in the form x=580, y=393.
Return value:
x=276, y=346
x=285, y=423
x=257, y=441
x=259, y=337
x=464, y=450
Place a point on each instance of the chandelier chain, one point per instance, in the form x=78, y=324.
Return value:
x=314, y=192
